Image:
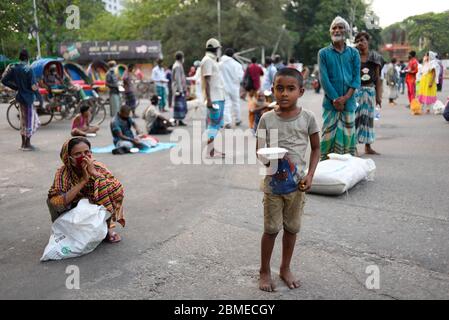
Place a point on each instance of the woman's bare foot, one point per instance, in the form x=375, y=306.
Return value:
x=289, y=279
x=369, y=150
x=113, y=237
x=266, y=282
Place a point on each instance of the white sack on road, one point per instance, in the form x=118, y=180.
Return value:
x=341, y=173
x=77, y=232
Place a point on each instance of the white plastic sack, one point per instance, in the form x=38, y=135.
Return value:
x=438, y=107
x=340, y=173
x=77, y=232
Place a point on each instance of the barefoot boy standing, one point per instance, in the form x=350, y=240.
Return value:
x=285, y=188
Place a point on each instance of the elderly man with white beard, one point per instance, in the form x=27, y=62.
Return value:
x=340, y=77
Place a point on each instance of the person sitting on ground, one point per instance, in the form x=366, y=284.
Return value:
x=80, y=124
x=82, y=176
x=155, y=122
x=124, y=139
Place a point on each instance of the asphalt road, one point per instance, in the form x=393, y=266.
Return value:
x=194, y=230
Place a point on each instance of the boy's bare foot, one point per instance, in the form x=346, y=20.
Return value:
x=289, y=279
x=266, y=283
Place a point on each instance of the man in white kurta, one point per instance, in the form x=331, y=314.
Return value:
x=232, y=74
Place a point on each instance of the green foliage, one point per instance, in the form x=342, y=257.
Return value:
x=186, y=25
x=311, y=21
x=245, y=25
x=17, y=18
x=430, y=29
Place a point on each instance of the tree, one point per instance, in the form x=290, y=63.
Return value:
x=245, y=25
x=18, y=17
x=431, y=30
x=12, y=39
x=310, y=20
x=423, y=32
x=52, y=18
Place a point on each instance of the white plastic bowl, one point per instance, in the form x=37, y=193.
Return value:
x=91, y=135
x=272, y=153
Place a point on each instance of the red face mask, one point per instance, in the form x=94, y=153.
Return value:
x=79, y=161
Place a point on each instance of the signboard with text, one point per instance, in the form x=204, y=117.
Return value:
x=111, y=50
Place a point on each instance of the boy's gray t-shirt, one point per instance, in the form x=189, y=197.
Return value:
x=293, y=135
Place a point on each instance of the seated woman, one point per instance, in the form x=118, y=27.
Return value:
x=80, y=177
x=80, y=124
x=154, y=121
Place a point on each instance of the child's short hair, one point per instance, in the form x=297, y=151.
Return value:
x=290, y=72
x=84, y=108
x=154, y=99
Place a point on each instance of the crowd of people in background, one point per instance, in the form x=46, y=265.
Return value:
x=422, y=79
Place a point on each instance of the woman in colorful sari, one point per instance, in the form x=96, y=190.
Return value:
x=80, y=177
x=427, y=92
x=369, y=94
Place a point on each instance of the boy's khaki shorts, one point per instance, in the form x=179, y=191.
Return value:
x=283, y=211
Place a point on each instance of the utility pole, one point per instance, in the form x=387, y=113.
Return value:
x=37, y=31
x=219, y=19
x=352, y=22
x=279, y=40
x=263, y=55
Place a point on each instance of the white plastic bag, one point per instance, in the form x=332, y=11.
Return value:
x=77, y=232
x=340, y=173
x=438, y=107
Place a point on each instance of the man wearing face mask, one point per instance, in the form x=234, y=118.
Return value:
x=214, y=93
x=340, y=76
